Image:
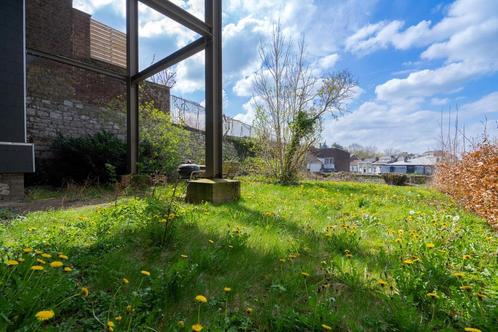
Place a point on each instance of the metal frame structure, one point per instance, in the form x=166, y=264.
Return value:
x=210, y=41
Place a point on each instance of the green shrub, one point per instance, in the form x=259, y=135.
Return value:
x=395, y=179
x=162, y=144
x=253, y=166
x=419, y=179
x=96, y=158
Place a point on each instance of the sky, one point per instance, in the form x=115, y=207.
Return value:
x=412, y=60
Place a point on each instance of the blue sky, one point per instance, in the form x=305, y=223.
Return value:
x=412, y=59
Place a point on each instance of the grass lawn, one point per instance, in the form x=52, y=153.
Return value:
x=350, y=257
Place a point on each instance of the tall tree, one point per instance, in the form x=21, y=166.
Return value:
x=291, y=101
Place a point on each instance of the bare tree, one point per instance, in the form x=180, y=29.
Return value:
x=291, y=102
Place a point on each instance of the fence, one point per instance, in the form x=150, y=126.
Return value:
x=190, y=114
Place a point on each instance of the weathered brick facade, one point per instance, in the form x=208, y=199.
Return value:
x=63, y=99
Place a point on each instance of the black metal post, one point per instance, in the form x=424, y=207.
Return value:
x=132, y=86
x=214, y=91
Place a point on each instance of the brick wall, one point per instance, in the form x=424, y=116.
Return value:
x=66, y=100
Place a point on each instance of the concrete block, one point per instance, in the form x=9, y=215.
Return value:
x=216, y=191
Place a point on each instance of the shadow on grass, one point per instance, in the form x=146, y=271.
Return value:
x=195, y=261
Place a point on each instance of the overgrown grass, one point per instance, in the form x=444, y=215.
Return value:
x=353, y=257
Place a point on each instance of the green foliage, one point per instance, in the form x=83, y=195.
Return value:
x=95, y=158
x=395, y=179
x=246, y=147
x=162, y=144
x=356, y=257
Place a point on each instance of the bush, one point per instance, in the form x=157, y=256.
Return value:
x=162, y=144
x=395, y=179
x=473, y=181
x=97, y=158
x=419, y=179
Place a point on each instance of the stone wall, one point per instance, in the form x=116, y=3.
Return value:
x=71, y=118
x=195, y=147
x=11, y=187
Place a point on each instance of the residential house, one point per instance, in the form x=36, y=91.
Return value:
x=327, y=160
x=422, y=165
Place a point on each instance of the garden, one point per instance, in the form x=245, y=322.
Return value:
x=317, y=256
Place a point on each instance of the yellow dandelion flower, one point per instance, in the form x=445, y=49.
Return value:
x=408, y=262
x=62, y=256
x=197, y=327
x=67, y=269
x=181, y=324
x=248, y=310
x=125, y=281
x=183, y=256
x=118, y=318
x=56, y=264
x=129, y=308
x=382, y=283
x=466, y=288
x=429, y=245
x=305, y=274
x=458, y=275
x=44, y=315
x=325, y=327
x=471, y=329
x=38, y=252
x=227, y=289
x=110, y=325
x=433, y=295
x=41, y=261
x=85, y=291
x=27, y=250
x=46, y=255
x=37, y=268
x=145, y=273
x=466, y=257
x=201, y=299
x=12, y=262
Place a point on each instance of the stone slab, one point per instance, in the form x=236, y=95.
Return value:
x=215, y=191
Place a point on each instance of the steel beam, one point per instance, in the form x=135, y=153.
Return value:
x=214, y=92
x=75, y=63
x=179, y=15
x=173, y=59
x=131, y=86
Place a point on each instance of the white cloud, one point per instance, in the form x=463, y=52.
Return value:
x=328, y=61
x=428, y=82
x=465, y=39
x=408, y=126
x=462, y=15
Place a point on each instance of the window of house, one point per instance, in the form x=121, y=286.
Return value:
x=329, y=161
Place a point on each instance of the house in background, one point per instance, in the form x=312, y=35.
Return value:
x=423, y=164
x=327, y=160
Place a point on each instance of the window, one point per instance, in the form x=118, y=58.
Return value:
x=410, y=169
x=329, y=161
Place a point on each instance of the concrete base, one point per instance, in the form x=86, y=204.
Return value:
x=216, y=191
